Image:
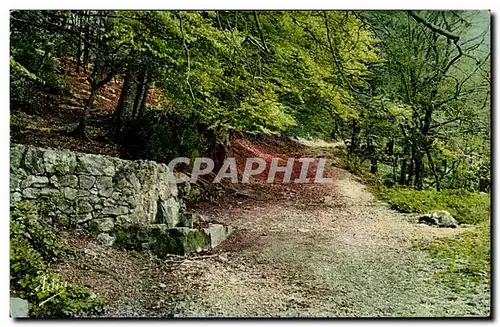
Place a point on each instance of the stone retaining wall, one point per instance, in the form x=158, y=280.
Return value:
x=94, y=191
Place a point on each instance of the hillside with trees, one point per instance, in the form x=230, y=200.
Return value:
x=400, y=98
x=406, y=90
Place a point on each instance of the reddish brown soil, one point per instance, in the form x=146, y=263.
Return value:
x=239, y=198
x=156, y=285
x=53, y=129
x=121, y=275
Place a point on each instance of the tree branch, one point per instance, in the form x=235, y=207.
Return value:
x=260, y=31
x=186, y=51
x=445, y=123
x=433, y=27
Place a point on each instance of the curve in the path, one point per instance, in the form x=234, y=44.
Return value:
x=348, y=256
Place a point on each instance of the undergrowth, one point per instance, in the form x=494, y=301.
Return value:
x=467, y=207
x=464, y=259
x=32, y=247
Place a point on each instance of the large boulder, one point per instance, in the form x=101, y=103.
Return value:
x=163, y=240
x=439, y=218
x=218, y=233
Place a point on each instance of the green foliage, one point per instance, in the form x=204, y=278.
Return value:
x=466, y=257
x=162, y=136
x=34, y=66
x=429, y=99
x=252, y=72
x=466, y=207
x=32, y=246
x=397, y=91
x=26, y=225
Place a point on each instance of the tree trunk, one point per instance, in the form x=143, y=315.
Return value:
x=144, y=99
x=216, y=149
x=86, y=50
x=139, y=96
x=406, y=167
x=125, y=108
x=411, y=169
x=79, y=49
x=354, y=138
x=373, y=166
x=434, y=169
x=394, y=168
x=390, y=148
x=120, y=106
x=402, y=177
x=96, y=85
x=373, y=157
x=422, y=147
x=419, y=176
x=82, y=125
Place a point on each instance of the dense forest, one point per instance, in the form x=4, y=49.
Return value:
x=407, y=91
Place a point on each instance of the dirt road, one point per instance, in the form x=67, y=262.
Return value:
x=346, y=255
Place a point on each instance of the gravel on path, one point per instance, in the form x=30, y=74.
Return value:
x=350, y=257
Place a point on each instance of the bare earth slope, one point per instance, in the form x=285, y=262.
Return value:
x=349, y=256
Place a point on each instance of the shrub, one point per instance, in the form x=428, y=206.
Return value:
x=162, y=136
x=466, y=257
x=32, y=246
x=466, y=207
x=35, y=91
x=26, y=226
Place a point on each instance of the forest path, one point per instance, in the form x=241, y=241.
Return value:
x=346, y=255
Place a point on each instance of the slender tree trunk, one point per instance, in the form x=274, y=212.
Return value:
x=406, y=167
x=402, y=176
x=79, y=49
x=419, y=165
x=94, y=88
x=390, y=148
x=139, y=94
x=354, y=138
x=86, y=50
x=394, y=168
x=422, y=142
x=125, y=108
x=216, y=149
x=120, y=108
x=434, y=169
x=411, y=169
x=261, y=34
x=144, y=99
x=373, y=157
x=373, y=165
